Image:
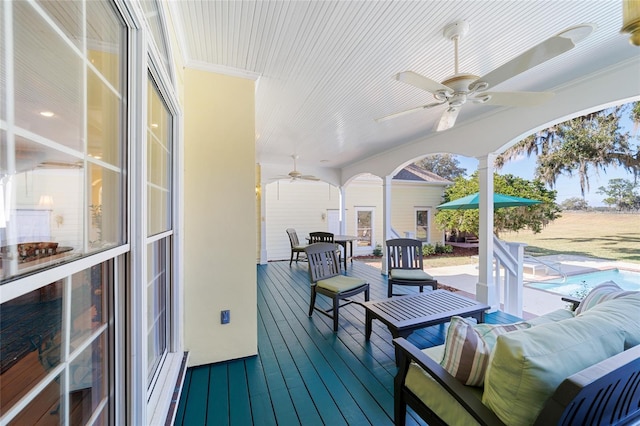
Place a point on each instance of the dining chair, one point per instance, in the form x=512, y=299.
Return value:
x=405, y=265
x=324, y=237
x=296, y=247
x=326, y=279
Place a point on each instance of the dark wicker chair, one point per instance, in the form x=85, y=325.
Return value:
x=296, y=247
x=405, y=265
x=326, y=279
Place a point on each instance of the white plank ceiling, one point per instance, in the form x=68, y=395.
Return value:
x=325, y=68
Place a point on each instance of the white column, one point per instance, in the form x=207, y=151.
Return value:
x=261, y=193
x=343, y=211
x=486, y=289
x=386, y=220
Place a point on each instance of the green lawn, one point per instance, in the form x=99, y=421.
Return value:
x=605, y=235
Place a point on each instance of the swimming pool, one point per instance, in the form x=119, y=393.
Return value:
x=582, y=283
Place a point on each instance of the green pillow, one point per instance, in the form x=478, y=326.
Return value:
x=622, y=312
x=467, y=348
x=528, y=365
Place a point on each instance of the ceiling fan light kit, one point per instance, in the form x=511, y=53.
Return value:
x=459, y=88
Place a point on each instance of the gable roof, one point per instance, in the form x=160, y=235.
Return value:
x=415, y=173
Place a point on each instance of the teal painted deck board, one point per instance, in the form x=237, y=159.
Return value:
x=218, y=398
x=304, y=374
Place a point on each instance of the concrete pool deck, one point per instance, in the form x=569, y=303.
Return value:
x=535, y=302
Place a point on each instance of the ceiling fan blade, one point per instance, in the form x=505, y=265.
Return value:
x=422, y=82
x=408, y=111
x=515, y=98
x=309, y=177
x=548, y=49
x=448, y=119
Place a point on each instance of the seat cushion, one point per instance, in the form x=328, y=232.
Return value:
x=409, y=275
x=439, y=401
x=340, y=283
x=468, y=346
x=601, y=293
x=528, y=365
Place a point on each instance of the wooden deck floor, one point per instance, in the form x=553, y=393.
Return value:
x=304, y=373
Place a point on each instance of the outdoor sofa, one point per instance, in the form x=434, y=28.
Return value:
x=569, y=367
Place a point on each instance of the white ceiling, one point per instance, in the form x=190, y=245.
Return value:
x=325, y=70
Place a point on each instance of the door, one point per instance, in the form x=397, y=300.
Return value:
x=333, y=221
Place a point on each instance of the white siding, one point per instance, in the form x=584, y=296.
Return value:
x=299, y=205
x=304, y=205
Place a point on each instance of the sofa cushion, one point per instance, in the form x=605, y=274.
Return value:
x=623, y=312
x=439, y=401
x=601, y=293
x=528, y=365
x=468, y=346
x=551, y=317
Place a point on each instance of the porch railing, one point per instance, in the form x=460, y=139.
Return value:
x=509, y=259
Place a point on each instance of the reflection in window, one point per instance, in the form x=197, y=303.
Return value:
x=158, y=274
x=61, y=165
x=30, y=332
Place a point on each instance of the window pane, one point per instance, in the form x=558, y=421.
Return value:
x=158, y=273
x=88, y=381
x=364, y=228
x=104, y=121
x=87, y=304
x=44, y=409
x=63, y=170
x=30, y=332
x=105, y=208
x=48, y=78
x=158, y=164
x=422, y=225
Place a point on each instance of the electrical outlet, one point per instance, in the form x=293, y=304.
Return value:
x=225, y=317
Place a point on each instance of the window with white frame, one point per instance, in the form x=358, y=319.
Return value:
x=62, y=197
x=364, y=227
x=422, y=224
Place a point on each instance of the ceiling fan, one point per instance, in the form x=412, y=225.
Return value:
x=295, y=174
x=459, y=88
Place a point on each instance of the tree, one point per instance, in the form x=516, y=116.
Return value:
x=592, y=142
x=504, y=219
x=621, y=193
x=444, y=165
x=574, y=203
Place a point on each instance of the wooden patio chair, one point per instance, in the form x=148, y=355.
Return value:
x=326, y=279
x=296, y=247
x=405, y=265
x=325, y=237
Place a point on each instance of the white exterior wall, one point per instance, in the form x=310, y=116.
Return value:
x=298, y=205
x=406, y=198
x=301, y=205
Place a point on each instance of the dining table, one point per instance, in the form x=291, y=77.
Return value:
x=343, y=240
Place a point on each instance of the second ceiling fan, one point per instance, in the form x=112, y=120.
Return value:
x=459, y=88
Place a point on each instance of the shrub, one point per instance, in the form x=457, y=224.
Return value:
x=378, y=250
x=439, y=248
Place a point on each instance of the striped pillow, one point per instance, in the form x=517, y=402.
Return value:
x=602, y=292
x=468, y=346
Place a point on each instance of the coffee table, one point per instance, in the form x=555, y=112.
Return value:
x=404, y=314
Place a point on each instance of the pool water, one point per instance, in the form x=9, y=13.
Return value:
x=582, y=283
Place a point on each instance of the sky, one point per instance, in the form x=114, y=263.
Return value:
x=566, y=187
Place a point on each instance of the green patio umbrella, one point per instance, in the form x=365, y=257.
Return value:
x=499, y=200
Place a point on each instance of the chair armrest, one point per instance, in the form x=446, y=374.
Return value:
x=573, y=300
x=409, y=353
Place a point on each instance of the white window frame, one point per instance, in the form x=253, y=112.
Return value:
x=357, y=249
x=415, y=222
